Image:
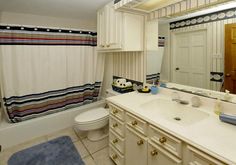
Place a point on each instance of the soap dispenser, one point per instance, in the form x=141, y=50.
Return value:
x=218, y=107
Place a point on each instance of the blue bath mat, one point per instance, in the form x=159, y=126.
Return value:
x=60, y=151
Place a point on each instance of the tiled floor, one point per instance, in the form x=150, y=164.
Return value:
x=92, y=153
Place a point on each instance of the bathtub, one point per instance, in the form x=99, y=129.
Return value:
x=15, y=133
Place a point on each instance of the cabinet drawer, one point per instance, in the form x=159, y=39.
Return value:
x=196, y=157
x=117, y=126
x=116, y=141
x=165, y=140
x=136, y=123
x=158, y=155
x=117, y=112
x=116, y=156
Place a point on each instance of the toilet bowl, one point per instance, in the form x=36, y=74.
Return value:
x=93, y=121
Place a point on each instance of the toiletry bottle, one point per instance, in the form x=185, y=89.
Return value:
x=218, y=107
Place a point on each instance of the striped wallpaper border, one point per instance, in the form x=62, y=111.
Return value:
x=211, y=17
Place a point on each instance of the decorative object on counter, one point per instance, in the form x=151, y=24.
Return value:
x=196, y=102
x=145, y=89
x=218, y=107
x=227, y=96
x=121, y=86
x=228, y=118
x=154, y=89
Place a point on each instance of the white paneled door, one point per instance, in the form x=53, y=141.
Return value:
x=190, y=58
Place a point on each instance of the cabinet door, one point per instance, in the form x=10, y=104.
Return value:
x=101, y=28
x=136, y=148
x=159, y=156
x=114, y=28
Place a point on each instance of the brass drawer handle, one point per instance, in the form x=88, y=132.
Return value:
x=154, y=152
x=140, y=142
x=162, y=140
x=102, y=46
x=108, y=46
x=115, y=111
x=134, y=123
x=114, y=141
x=114, y=156
x=115, y=125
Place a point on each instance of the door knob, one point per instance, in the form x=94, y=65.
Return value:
x=227, y=75
x=177, y=68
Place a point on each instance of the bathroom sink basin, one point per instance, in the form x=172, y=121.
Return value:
x=173, y=111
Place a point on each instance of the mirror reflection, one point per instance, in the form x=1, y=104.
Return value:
x=197, y=50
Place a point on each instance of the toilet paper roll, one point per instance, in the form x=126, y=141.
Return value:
x=128, y=84
x=120, y=81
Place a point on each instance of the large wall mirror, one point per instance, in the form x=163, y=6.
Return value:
x=198, y=49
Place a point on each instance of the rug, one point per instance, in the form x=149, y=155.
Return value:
x=59, y=151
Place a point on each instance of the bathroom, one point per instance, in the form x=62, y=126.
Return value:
x=117, y=82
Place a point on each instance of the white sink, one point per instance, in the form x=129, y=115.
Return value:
x=173, y=111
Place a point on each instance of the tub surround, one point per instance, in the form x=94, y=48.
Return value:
x=209, y=134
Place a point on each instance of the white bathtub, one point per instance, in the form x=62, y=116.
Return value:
x=15, y=133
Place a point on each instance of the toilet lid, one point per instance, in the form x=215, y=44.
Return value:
x=92, y=115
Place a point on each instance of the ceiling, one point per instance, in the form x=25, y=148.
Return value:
x=75, y=9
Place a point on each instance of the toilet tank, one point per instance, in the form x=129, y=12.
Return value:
x=110, y=92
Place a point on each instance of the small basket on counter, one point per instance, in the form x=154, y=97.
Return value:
x=122, y=89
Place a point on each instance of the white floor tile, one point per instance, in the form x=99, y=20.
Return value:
x=65, y=132
x=81, y=149
x=102, y=157
x=95, y=146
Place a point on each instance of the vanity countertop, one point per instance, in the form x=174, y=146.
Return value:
x=209, y=135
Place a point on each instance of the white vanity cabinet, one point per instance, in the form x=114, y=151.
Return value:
x=116, y=134
x=134, y=141
x=119, y=31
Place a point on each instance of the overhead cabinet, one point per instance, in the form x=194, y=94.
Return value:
x=119, y=31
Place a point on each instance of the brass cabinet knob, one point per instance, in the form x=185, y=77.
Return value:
x=140, y=142
x=115, y=125
x=115, y=111
x=114, y=141
x=154, y=152
x=134, y=123
x=108, y=46
x=162, y=140
x=102, y=46
x=114, y=156
x=228, y=75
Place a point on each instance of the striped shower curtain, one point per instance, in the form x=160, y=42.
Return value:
x=48, y=72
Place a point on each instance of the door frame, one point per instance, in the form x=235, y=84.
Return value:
x=208, y=48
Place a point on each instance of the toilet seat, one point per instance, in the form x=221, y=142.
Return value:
x=91, y=116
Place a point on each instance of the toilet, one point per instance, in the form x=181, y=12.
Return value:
x=94, y=120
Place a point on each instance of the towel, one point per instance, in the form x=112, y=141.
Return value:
x=228, y=118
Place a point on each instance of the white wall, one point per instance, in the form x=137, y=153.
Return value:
x=36, y=20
